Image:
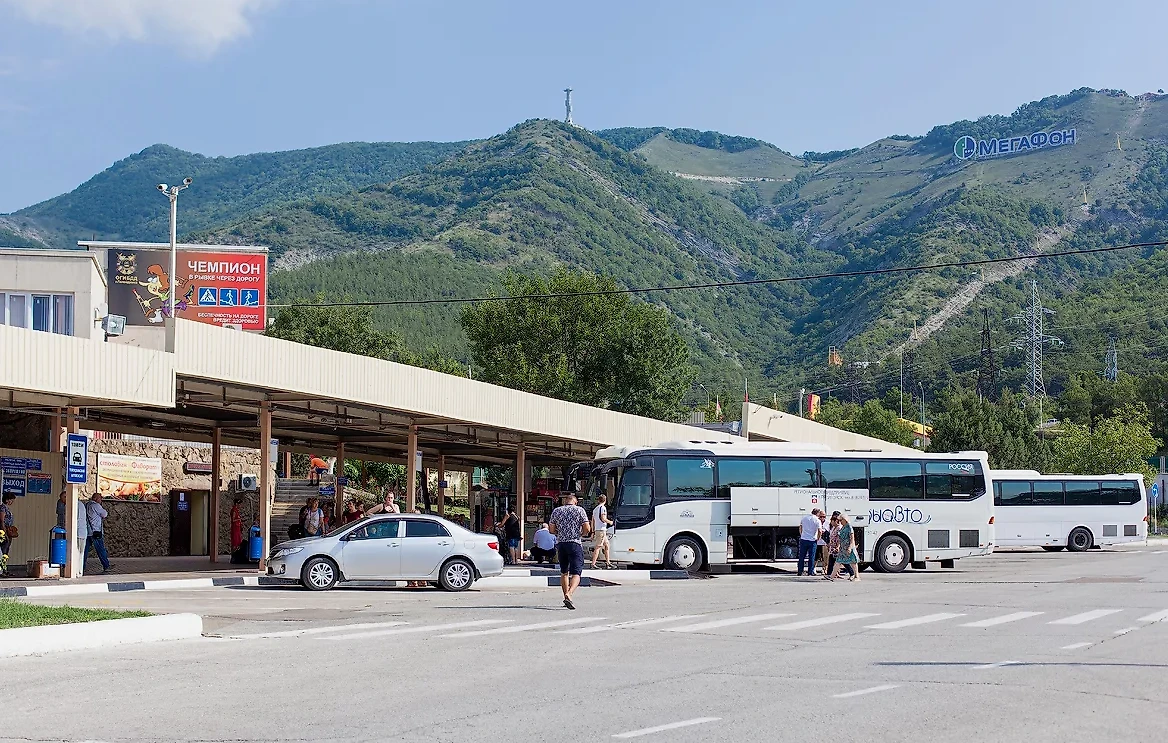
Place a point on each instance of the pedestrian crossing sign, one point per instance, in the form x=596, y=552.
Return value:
x=207, y=296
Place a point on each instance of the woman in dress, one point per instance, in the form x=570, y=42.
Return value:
x=236, y=525
x=847, y=553
x=833, y=545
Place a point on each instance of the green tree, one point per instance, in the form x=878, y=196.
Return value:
x=1005, y=429
x=870, y=419
x=1117, y=444
x=604, y=350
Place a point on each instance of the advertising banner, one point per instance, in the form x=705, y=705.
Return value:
x=129, y=478
x=39, y=483
x=215, y=287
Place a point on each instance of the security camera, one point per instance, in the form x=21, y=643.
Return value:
x=162, y=187
x=188, y=181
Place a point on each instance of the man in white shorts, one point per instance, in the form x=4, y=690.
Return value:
x=600, y=524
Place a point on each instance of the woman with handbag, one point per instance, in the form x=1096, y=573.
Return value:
x=847, y=555
x=8, y=531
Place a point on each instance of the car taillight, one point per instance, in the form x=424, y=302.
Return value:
x=493, y=545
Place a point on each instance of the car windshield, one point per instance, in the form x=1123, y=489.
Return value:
x=344, y=527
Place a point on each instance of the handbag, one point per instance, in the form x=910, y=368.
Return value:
x=13, y=532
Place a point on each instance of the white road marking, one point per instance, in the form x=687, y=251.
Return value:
x=1125, y=630
x=1158, y=552
x=926, y=619
x=1005, y=618
x=523, y=627
x=1086, y=616
x=862, y=692
x=668, y=726
x=1159, y=616
x=836, y=619
x=726, y=622
x=620, y=625
x=314, y=630
x=413, y=630
x=999, y=664
x=1078, y=645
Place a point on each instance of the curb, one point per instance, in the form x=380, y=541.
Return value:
x=80, y=589
x=52, y=638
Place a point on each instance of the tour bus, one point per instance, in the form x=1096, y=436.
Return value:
x=695, y=504
x=1072, y=511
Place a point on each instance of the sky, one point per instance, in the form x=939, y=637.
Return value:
x=84, y=83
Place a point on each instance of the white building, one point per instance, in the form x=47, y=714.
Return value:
x=57, y=291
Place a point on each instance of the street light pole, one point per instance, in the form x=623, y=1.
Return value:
x=171, y=193
x=923, y=432
x=707, y=394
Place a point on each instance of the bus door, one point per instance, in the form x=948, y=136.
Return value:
x=632, y=513
x=845, y=489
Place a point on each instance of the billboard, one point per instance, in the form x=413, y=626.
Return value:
x=968, y=148
x=129, y=478
x=217, y=287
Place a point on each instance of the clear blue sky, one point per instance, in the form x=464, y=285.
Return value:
x=83, y=84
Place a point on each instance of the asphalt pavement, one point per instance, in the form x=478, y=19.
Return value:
x=1019, y=646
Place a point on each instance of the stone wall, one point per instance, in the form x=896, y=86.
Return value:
x=143, y=529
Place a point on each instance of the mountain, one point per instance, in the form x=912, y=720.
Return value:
x=121, y=202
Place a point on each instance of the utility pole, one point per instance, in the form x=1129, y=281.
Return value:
x=902, y=383
x=987, y=372
x=923, y=432
x=568, y=107
x=802, y=394
x=1111, y=363
x=1031, y=341
x=171, y=193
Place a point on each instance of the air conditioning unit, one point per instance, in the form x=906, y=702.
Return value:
x=249, y=482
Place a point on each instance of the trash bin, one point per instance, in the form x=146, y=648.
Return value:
x=255, y=545
x=58, y=546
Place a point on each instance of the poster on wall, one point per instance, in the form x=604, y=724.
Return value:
x=129, y=478
x=214, y=287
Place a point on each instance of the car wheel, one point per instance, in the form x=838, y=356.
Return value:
x=892, y=555
x=456, y=575
x=319, y=574
x=684, y=553
x=1080, y=539
x=1054, y=548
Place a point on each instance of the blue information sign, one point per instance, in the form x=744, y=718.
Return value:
x=327, y=490
x=77, y=459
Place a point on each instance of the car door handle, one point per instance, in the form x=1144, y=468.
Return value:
x=444, y=544
x=391, y=545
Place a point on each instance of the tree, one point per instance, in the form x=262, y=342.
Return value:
x=1005, y=429
x=351, y=330
x=870, y=419
x=604, y=350
x=1117, y=444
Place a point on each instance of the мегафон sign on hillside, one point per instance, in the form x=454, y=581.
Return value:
x=968, y=148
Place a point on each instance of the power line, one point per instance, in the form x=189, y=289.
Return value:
x=728, y=284
x=1032, y=341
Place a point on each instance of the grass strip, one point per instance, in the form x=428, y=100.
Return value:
x=15, y=613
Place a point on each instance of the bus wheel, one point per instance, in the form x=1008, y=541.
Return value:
x=1080, y=539
x=684, y=553
x=892, y=554
x=1053, y=548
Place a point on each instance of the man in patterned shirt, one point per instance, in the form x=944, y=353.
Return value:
x=569, y=523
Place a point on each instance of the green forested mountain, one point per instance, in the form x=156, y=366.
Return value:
x=121, y=202
x=657, y=206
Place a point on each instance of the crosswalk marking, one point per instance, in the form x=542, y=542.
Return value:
x=668, y=726
x=926, y=619
x=1004, y=619
x=315, y=630
x=1125, y=630
x=621, y=625
x=523, y=627
x=1159, y=616
x=862, y=692
x=1086, y=616
x=726, y=622
x=999, y=664
x=415, y=630
x=836, y=619
x=1077, y=645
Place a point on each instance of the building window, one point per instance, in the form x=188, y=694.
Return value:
x=52, y=313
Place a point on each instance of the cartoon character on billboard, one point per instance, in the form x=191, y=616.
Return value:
x=159, y=287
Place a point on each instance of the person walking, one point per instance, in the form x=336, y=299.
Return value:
x=82, y=535
x=351, y=513
x=8, y=531
x=600, y=524
x=96, y=516
x=809, y=529
x=569, y=523
x=388, y=505
x=313, y=519
x=821, y=544
x=514, y=536
x=847, y=556
x=833, y=545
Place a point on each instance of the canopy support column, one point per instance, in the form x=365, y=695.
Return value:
x=441, y=485
x=265, y=495
x=521, y=492
x=412, y=470
x=339, y=492
x=216, y=465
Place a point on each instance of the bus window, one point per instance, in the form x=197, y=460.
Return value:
x=892, y=480
x=997, y=493
x=944, y=480
x=1015, y=493
x=1080, y=493
x=1047, y=493
x=740, y=473
x=1120, y=493
x=689, y=477
x=636, y=488
x=792, y=473
x=844, y=474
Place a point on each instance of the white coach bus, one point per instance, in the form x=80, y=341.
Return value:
x=690, y=505
x=1077, y=512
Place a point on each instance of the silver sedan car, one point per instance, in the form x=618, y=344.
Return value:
x=392, y=547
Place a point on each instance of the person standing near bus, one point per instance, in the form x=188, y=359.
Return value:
x=569, y=523
x=809, y=530
x=847, y=555
x=600, y=524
